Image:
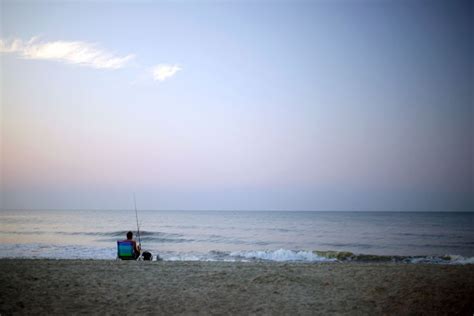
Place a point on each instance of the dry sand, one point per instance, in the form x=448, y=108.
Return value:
x=116, y=287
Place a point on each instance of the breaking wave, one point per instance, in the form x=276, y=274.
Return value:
x=285, y=255
x=345, y=256
x=281, y=255
x=42, y=251
x=146, y=236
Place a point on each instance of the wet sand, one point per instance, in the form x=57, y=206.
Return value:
x=216, y=288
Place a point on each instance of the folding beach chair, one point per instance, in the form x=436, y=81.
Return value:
x=125, y=250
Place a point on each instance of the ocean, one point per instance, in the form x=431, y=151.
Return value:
x=442, y=237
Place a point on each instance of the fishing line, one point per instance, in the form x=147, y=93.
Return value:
x=136, y=215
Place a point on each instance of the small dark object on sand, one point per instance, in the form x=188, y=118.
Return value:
x=147, y=256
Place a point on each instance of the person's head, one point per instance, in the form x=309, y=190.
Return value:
x=129, y=235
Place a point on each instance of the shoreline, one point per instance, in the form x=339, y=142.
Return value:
x=281, y=255
x=59, y=286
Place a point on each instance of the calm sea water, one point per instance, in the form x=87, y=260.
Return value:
x=237, y=236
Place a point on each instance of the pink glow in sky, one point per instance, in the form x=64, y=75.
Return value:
x=284, y=105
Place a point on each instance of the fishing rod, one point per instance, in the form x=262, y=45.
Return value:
x=146, y=255
x=136, y=215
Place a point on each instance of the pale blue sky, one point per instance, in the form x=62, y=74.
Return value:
x=298, y=105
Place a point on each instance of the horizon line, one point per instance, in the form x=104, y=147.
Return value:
x=236, y=210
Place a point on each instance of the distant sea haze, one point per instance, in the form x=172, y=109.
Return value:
x=243, y=235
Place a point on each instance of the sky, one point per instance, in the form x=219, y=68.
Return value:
x=237, y=105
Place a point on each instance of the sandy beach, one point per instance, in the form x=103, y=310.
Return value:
x=116, y=287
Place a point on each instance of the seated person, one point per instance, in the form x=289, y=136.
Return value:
x=136, y=248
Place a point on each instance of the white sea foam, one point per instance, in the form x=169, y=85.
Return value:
x=448, y=259
x=280, y=255
x=42, y=251
x=455, y=259
x=185, y=257
x=461, y=260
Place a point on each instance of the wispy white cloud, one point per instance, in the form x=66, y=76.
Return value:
x=71, y=52
x=162, y=72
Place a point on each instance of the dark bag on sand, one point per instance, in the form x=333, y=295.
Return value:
x=147, y=256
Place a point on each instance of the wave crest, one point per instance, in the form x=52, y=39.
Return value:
x=281, y=255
